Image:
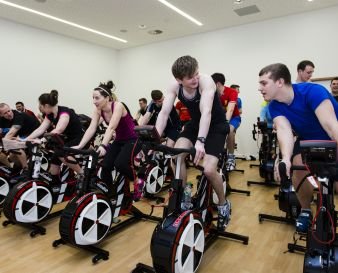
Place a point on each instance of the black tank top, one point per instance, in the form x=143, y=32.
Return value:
x=217, y=112
x=73, y=129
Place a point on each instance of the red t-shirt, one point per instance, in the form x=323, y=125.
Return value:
x=230, y=95
x=29, y=112
x=182, y=111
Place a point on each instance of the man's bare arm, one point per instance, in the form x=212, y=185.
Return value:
x=167, y=106
x=327, y=118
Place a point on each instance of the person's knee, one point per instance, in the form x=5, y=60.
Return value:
x=124, y=168
x=232, y=130
x=170, y=143
x=209, y=171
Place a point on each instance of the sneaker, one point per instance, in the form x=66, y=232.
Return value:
x=138, y=189
x=79, y=178
x=22, y=177
x=303, y=221
x=224, y=215
x=231, y=163
x=116, y=220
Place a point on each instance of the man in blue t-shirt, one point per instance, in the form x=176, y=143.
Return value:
x=307, y=109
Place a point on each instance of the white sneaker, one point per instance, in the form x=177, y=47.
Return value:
x=224, y=215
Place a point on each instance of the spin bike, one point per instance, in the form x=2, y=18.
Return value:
x=180, y=239
x=267, y=154
x=321, y=252
x=87, y=219
x=29, y=203
x=287, y=200
x=8, y=173
x=156, y=171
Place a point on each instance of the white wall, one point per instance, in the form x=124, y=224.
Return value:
x=34, y=61
x=239, y=52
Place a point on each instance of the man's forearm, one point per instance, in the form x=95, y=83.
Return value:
x=161, y=122
x=204, y=125
x=286, y=144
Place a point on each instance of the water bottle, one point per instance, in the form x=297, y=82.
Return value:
x=186, y=199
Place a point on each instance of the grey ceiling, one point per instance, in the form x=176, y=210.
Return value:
x=112, y=16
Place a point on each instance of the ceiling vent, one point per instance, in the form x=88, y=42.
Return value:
x=247, y=10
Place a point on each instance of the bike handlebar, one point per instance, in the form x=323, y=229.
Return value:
x=79, y=151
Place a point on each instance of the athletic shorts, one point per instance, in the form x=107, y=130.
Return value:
x=215, y=139
x=171, y=133
x=235, y=122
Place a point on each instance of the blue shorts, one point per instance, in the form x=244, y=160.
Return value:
x=235, y=122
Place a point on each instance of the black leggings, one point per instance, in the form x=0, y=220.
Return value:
x=118, y=156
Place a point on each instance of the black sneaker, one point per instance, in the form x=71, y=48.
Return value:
x=224, y=215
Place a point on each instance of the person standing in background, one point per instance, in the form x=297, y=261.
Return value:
x=334, y=88
x=228, y=97
x=305, y=70
x=239, y=101
x=20, y=107
x=143, y=108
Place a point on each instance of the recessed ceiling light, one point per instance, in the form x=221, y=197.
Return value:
x=238, y=1
x=142, y=26
x=181, y=12
x=310, y=0
x=61, y=20
x=155, y=32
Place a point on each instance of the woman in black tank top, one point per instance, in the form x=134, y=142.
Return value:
x=66, y=122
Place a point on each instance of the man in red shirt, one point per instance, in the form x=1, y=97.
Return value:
x=20, y=107
x=182, y=112
x=229, y=98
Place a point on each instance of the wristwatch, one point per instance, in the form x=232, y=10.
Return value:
x=201, y=139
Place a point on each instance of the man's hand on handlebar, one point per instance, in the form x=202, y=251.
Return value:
x=200, y=152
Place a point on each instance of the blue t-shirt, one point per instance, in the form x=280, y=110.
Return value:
x=239, y=103
x=301, y=112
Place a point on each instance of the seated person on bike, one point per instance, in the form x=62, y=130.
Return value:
x=310, y=111
x=229, y=97
x=207, y=129
x=64, y=121
x=3, y=156
x=173, y=127
x=120, y=129
x=19, y=124
x=143, y=109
